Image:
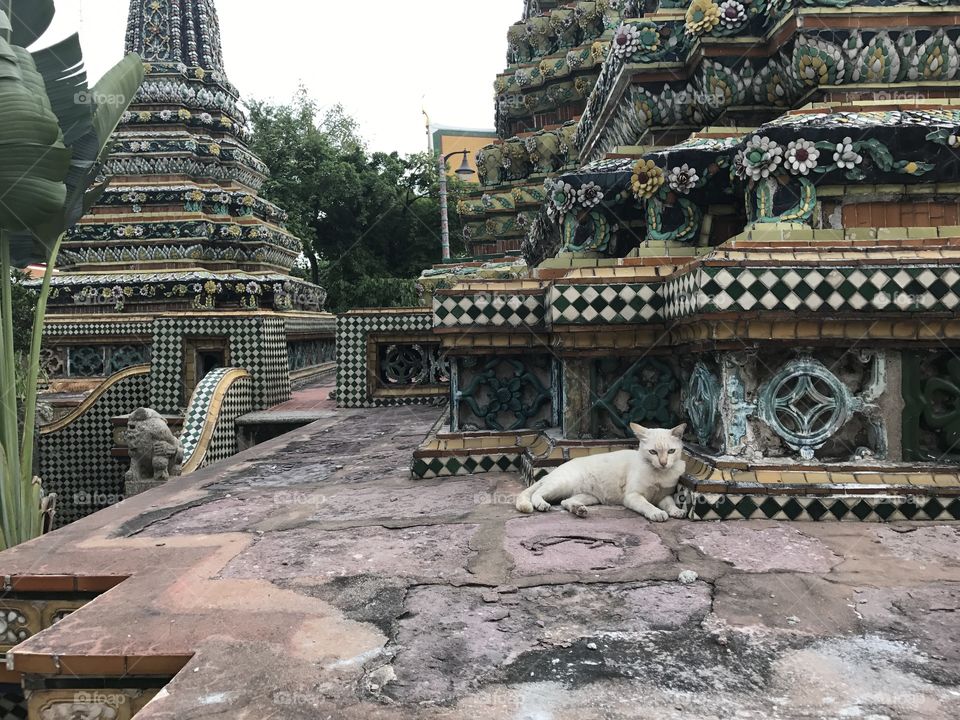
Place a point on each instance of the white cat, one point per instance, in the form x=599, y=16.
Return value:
x=643, y=480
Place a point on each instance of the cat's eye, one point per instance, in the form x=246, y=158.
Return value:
x=653, y=452
x=673, y=451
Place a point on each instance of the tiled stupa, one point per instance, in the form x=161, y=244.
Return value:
x=181, y=266
x=181, y=225
x=753, y=228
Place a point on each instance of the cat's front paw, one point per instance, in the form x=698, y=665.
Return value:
x=579, y=510
x=658, y=516
x=543, y=506
x=678, y=513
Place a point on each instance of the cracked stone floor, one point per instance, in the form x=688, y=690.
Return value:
x=311, y=578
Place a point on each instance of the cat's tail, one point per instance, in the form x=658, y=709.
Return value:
x=524, y=503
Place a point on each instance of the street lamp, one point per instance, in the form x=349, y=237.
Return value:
x=463, y=171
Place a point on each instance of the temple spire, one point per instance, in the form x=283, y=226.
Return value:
x=176, y=31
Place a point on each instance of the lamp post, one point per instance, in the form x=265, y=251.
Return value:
x=463, y=171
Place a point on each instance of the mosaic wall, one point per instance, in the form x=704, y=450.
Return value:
x=931, y=416
x=257, y=344
x=506, y=393
x=74, y=454
x=626, y=390
x=828, y=404
x=303, y=354
x=92, y=361
x=381, y=361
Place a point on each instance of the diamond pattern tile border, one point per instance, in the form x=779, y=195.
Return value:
x=472, y=464
x=712, y=289
x=838, y=289
x=832, y=508
x=13, y=706
x=488, y=310
x=613, y=304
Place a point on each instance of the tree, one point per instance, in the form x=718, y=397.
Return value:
x=367, y=220
x=54, y=132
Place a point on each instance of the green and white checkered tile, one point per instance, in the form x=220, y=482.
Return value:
x=621, y=303
x=54, y=328
x=198, y=412
x=258, y=344
x=13, y=706
x=320, y=324
x=863, y=508
x=861, y=289
x=236, y=402
x=682, y=294
x=352, y=334
x=76, y=462
x=488, y=310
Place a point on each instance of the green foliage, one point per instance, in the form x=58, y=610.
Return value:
x=24, y=307
x=365, y=218
x=54, y=136
x=372, y=293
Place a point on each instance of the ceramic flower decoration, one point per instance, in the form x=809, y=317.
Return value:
x=562, y=197
x=732, y=14
x=647, y=178
x=761, y=157
x=702, y=17
x=589, y=195
x=801, y=157
x=845, y=157
x=626, y=41
x=683, y=179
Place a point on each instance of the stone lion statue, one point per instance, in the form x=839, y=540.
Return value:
x=155, y=453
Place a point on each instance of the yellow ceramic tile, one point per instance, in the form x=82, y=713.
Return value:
x=768, y=476
x=843, y=478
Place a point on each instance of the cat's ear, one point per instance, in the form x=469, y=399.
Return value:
x=639, y=430
x=679, y=430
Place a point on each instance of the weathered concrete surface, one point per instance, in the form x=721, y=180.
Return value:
x=311, y=578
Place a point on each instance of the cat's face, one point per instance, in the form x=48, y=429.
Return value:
x=661, y=448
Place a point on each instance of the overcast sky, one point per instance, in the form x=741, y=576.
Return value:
x=383, y=59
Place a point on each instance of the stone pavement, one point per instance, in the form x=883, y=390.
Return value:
x=311, y=578
x=309, y=398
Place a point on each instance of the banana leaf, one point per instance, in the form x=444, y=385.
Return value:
x=54, y=138
x=35, y=160
x=88, y=120
x=29, y=20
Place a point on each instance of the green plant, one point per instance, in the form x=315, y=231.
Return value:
x=54, y=137
x=361, y=215
x=371, y=293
